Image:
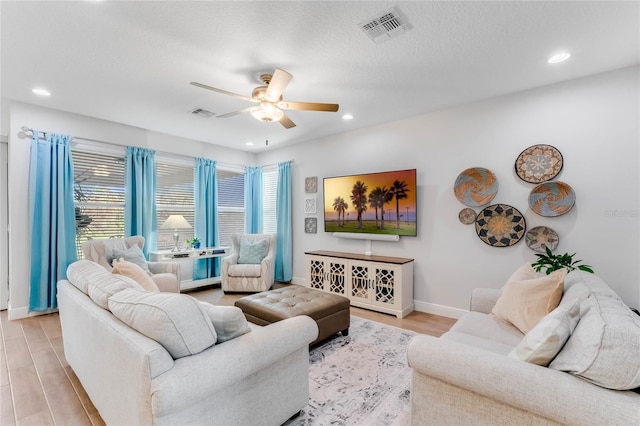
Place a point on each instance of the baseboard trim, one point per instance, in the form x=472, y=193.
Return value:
x=23, y=312
x=426, y=307
x=443, y=311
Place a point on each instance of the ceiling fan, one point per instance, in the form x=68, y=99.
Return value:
x=269, y=100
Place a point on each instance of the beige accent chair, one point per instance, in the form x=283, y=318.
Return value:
x=166, y=275
x=249, y=278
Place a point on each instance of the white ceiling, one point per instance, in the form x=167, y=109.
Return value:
x=131, y=62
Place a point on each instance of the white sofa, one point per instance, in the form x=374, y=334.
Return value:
x=470, y=375
x=258, y=378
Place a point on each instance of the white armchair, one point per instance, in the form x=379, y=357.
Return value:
x=166, y=275
x=249, y=277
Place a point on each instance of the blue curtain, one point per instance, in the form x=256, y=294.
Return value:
x=140, y=196
x=284, y=243
x=253, y=200
x=52, y=216
x=206, y=216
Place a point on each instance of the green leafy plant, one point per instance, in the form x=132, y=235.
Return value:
x=552, y=262
x=194, y=242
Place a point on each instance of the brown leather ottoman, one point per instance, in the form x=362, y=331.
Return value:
x=330, y=311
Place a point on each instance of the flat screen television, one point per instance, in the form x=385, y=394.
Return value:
x=372, y=203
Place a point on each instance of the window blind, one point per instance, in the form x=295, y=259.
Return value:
x=98, y=196
x=230, y=205
x=269, y=191
x=174, y=196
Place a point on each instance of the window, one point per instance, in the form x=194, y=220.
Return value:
x=230, y=204
x=269, y=191
x=98, y=193
x=174, y=195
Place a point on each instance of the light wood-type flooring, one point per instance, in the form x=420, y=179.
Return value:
x=37, y=386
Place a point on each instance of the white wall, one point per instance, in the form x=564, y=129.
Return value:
x=4, y=277
x=594, y=123
x=81, y=127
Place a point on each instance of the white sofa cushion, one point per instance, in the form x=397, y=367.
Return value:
x=605, y=346
x=228, y=321
x=174, y=320
x=541, y=344
x=245, y=270
x=82, y=272
x=488, y=327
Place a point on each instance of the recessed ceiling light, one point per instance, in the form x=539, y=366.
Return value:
x=249, y=143
x=559, y=57
x=41, y=92
x=347, y=117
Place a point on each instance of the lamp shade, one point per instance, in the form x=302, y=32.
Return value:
x=175, y=221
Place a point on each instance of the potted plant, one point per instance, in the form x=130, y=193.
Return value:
x=552, y=262
x=194, y=242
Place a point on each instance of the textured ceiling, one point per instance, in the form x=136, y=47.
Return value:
x=131, y=62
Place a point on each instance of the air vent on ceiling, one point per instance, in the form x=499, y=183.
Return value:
x=386, y=25
x=200, y=112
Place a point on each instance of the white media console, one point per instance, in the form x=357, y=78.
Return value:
x=380, y=283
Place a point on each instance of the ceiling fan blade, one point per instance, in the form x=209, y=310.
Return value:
x=308, y=106
x=276, y=86
x=224, y=92
x=286, y=122
x=231, y=114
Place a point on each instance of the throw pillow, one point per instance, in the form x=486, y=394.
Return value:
x=252, y=252
x=525, y=272
x=229, y=321
x=131, y=270
x=132, y=254
x=524, y=303
x=174, y=320
x=546, y=339
x=604, y=347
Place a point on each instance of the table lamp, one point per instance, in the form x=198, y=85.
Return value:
x=175, y=222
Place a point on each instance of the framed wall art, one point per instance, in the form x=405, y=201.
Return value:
x=311, y=184
x=310, y=225
x=310, y=205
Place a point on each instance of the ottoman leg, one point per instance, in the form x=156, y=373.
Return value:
x=345, y=332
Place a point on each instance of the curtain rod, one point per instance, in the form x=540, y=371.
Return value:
x=30, y=130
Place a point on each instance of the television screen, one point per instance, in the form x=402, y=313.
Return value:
x=373, y=203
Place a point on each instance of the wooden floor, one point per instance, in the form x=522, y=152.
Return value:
x=37, y=386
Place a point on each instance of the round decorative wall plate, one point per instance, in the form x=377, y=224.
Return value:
x=552, y=199
x=539, y=163
x=467, y=216
x=500, y=225
x=540, y=237
x=475, y=187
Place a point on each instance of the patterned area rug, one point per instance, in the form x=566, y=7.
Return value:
x=360, y=379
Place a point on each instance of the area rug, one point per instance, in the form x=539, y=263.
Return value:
x=359, y=379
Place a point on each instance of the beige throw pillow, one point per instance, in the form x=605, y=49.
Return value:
x=525, y=272
x=131, y=270
x=524, y=303
x=546, y=339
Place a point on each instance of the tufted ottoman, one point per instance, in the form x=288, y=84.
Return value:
x=329, y=311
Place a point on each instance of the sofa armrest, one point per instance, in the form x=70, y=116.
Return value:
x=484, y=299
x=545, y=392
x=196, y=377
x=267, y=268
x=227, y=261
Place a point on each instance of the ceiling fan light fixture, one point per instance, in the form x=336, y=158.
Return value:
x=266, y=112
